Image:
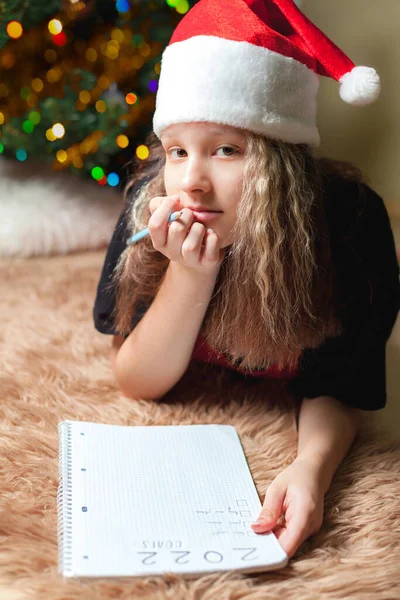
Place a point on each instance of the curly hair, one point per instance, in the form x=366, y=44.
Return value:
x=275, y=292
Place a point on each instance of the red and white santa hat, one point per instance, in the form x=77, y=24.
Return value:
x=254, y=64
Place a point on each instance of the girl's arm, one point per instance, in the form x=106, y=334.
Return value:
x=158, y=350
x=327, y=429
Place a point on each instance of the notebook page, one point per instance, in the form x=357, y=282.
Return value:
x=153, y=499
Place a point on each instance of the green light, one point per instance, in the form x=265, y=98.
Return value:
x=137, y=39
x=173, y=3
x=28, y=126
x=1, y=148
x=24, y=92
x=97, y=173
x=182, y=7
x=34, y=117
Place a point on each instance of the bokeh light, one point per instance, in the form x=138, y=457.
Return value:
x=37, y=84
x=14, y=29
x=55, y=26
x=153, y=85
x=21, y=155
x=50, y=135
x=91, y=55
x=97, y=173
x=101, y=106
x=28, y=126
x=142, y=152
x=35, y=117
x=58, y=130
x=122, y=141
x=84, y=96
x=131, y=98
x=61, y=156
x=113, y=179
x=182, y=7
x=123, y=6
x=60, y=39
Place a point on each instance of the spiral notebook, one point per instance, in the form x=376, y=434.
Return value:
x=137, y=501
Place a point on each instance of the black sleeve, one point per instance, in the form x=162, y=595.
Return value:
x=352, y=366
x=105, y=297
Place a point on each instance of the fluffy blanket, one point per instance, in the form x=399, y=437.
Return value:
x=55, y=366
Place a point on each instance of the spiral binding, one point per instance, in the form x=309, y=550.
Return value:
x=64, y=499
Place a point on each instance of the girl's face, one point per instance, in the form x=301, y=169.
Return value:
x=204, y=166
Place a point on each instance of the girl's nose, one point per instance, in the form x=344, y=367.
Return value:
x=196, y=177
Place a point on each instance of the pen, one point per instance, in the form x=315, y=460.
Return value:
x=141, y=234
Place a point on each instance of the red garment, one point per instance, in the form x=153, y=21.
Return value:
x=205, y=353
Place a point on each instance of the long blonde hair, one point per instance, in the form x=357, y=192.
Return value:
x=275, y=293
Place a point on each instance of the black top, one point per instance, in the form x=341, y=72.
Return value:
x=352, y=366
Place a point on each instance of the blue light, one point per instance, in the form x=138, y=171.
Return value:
x=21, y=155
x=153, y=85
x=113, y=179
x=123, y=6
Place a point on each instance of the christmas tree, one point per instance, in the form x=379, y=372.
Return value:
x=79, y=79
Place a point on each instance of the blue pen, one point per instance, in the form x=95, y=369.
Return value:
x=141, y=234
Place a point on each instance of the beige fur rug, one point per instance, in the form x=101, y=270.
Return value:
x=55, y=366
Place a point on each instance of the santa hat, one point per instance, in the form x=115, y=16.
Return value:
x=254, y=64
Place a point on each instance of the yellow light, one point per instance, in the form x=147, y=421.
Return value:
x=85, y=146
x=58, y=130
x=14, y=29
x=78, y=162
x=91, y=55
x=117, y=35
x=1, y=118
x=84, y=96
x=55, y=26
x=131, y=98
x=61, y=156
x=101, y=106
x=103, y=82
x=137, y=62
x=50, y=135
x=122, y=141
x=53, y=75
x=112, y=50
x=142, y=152
x=157, y=68
x=37, y=84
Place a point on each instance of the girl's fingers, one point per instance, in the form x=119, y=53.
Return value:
x=158, y=222
x=293, y=534
x=192, y=243
x=211, y=247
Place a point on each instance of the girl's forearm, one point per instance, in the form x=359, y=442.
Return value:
x=327, y=429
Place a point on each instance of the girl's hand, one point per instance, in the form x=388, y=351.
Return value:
x=183, y=241
x=297, y=493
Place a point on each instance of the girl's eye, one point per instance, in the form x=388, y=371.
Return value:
x=230, y=151
x=180, y=151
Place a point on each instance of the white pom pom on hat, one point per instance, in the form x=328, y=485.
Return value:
x=360, y=86
x=254, y=64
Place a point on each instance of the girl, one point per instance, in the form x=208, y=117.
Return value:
x=282, y=263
